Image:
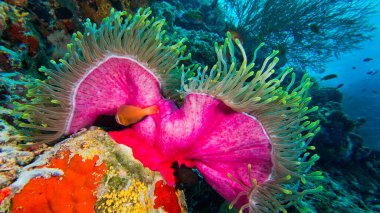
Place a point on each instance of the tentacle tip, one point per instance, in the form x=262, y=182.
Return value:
x=229, y=35
x=230, y=206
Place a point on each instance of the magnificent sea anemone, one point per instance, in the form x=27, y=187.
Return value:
x=126, y=58
x=245, y=133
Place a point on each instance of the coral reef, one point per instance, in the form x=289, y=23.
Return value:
x=351, y=169
x=116, y=200
x=339, y=135
x=33, y=31
x=47, y=19
x=309, y=36
x=127, y=53
x=90, y=173
x=351, y=187
x=22, y=43
x=12, y=88
x=201, y=46
x=75, y=190
x=200, y=21
x=59, y=39
x=9, y=60
x=96, y=10
x=12, y=160
x=17, y=28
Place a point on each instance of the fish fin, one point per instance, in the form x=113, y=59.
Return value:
x=117, y=119
x=151, y=110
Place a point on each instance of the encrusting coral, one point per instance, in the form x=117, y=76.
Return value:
x=245, y=133
x=74, y=191
x=89, y=173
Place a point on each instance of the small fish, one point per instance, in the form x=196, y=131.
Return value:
x=315, y=28
x=367, y=59
x=129, y=114
x=354, y=68
x=363, y=90
x=374, y=91
x=339, y=86
x=369, y=73
x=374, y=73
x=328, y=77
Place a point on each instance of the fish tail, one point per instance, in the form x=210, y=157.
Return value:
x=151, y=110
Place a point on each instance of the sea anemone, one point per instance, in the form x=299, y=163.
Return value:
x=127, y=58
x=282, y=113
x=245, y=133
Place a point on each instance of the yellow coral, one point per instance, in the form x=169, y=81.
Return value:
x=134, y=199
x=96, y=15
x=20, y=3
x=3, y=16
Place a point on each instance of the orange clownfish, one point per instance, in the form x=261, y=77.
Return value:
x=129, y=114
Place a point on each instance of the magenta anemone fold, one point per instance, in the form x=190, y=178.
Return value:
x=208, y=135
x=112, y=83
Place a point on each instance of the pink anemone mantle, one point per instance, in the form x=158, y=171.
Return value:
x=113, y=82
x=204, y=133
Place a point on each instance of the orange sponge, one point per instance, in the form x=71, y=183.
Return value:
x=75, y=191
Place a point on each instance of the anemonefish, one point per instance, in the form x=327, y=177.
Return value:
x=129, y=114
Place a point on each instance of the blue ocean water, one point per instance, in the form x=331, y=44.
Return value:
x=361, y=89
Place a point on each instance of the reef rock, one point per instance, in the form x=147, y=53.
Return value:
x=88, y=171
